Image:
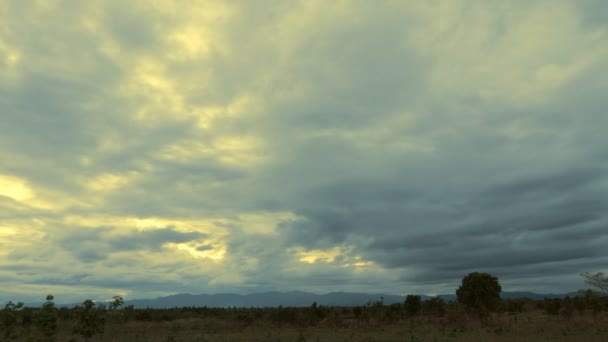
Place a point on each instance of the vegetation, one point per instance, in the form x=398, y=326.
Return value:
x=479, y=292
x=9, y=319
x=412, y=305
x=580, y=318
x=89, y=320
x=597, y=280
x=47, y=319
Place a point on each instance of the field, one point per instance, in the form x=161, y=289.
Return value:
x=549, y=320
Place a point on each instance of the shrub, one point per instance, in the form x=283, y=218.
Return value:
x=90, y=321
x=412, y=305
x=9, y=319
x=47, y=319
x=433, y=307
x=479, y=292
x=513, y=306
x=551, y=306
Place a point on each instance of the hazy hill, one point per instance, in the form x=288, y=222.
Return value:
x=297, y=298
x=293, y=298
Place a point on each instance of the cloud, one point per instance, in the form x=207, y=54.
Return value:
x=91, y=245
x=154, y=148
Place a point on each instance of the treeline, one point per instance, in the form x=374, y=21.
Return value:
x=478, y=298
x=89, y=319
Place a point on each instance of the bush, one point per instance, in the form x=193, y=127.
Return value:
x=90, y=321
x=551, y=306
x=412, y=305
x=479, y=292
x=9, y=319
x=513, y=306
x=434, y=307
x=47, y=319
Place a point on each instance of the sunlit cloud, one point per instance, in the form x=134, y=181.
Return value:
x=156, y=147
x=15, y=188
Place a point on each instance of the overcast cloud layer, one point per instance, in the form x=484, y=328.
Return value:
x=155, y=147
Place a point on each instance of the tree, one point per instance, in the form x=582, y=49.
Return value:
x=479, y=292
x=597, y=280
x=118, y=303
x=9, y=319
x=47, y=319
x=412, y=305
x=90, y=320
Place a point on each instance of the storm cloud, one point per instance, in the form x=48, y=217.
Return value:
x=217, y=146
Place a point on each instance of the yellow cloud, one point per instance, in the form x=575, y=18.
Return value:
x=216, y=251
x=198, y=31
x=7, y=231
x=230, y=150
x=11, y=55
x=330, y=255
x=190, y=42
x=110, y=181
x=263, y=222
x=20, y=190
x=239, y=150
x=20, y=234
x=320, y=255
x=207, y=226
x=208, y=115
x=519, y=58
x=15, y=188
x=359, y=264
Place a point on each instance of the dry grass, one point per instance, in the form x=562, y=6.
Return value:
x=529, y=326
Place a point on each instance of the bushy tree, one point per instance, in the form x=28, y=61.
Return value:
x=412, y=305
x=90, y=321
x=47, y=319
x=479, y=292
x=117, y=304
x=9, y=319
x=597, y=280
x=116, y=314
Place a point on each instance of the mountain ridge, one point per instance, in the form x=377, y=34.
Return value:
x=291, y=299
x=300, y=299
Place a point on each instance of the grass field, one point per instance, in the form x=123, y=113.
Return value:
x=337, y=325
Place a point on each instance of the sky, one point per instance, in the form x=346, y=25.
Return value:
x=154, y=147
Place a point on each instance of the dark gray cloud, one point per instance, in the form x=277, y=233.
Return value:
x=418, y=141
x=91, y=245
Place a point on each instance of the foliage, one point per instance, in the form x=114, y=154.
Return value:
x=90, y=321
x=412, y=305
x=47, y=319
x=597, y=280
x=9, y=319
x=479, y=292
x=513, y=306
x=594, y=301
x=434, y=307
x=317, y=313
x=413, y=320
x=118, y=303
x=552, y=306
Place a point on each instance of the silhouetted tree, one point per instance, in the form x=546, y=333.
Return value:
x=597, y=280
x=47, y=319
x=90, y=320
x=9, y=319
x=117, y=303
x=479, y=292
x=412, y=305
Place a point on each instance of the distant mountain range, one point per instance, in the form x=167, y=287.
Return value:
x=298, y=298
x=293, y=299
